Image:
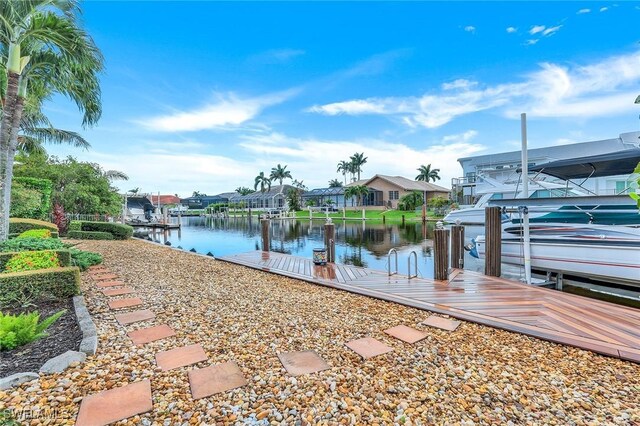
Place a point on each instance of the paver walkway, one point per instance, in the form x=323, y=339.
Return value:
x=544, y=313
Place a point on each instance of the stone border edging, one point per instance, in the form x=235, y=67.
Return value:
x=88, y=346
x=89, y=343
x=181, y=250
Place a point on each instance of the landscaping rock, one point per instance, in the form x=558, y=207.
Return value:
x=17, y=379
x=62, y=362
x=89, y=345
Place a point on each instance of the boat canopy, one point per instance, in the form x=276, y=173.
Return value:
x=611, y=164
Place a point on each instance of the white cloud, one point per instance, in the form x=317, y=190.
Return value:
x=309, y=158
x=536, y=29
x=227, y=110
x=604, y=9
x=554, y=90
x=470, y=29
x=512, y=30
x=551, y=30
x=274, y=56
x=460, y=83
x=531, y=41
x=583, y=11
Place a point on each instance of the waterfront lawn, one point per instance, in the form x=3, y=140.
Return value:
x=372, y=215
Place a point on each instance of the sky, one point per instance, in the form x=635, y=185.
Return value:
x=202, y=96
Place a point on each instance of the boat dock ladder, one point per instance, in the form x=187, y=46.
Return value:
x=413, y=255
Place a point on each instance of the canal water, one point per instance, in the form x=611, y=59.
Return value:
x=358, y=243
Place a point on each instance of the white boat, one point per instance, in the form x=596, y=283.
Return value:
x=599, y=241
x=491, y=190
x=603, y=252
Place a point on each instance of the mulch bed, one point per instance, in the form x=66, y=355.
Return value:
x=63, y=335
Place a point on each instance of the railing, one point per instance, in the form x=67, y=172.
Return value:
x=394, y=251
x=415, y=256
x=87, y=217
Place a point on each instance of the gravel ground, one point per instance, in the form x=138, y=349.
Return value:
x=475, y=375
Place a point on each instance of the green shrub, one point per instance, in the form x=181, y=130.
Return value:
x=18, y=330
x=31, y=261
x=89, y=235
x=23, y=288
x=118, y=230
x=75, y=225
x=18, y=225
x=35, y=233
x=83, y=259
x=64, y=257
x=33, y=197
x=26, y=244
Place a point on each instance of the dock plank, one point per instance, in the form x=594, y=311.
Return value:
x=547, y=314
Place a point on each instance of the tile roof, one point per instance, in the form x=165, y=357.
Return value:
x=408, y=184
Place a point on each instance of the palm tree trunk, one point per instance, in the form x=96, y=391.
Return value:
x=11, y=154
x=9, y=108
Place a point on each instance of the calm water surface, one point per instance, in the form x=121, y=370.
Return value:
x=357, y=243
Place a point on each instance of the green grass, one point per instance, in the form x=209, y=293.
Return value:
x=371, y=215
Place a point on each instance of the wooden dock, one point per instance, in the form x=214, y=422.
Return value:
x=578, y=321
x=155, y=225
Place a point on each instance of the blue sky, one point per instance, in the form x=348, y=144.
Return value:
x=205, y=95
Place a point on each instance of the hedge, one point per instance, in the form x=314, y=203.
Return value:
x=23, y=288
x=19, y=225
x=64, y=256
x=90, y=235
x=117, y=230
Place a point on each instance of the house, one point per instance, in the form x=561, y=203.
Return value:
x=385, y=191
x=274, y=198
x=203, y=201
x=505, y=167
x=165, y=200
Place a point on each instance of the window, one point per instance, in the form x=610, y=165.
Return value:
x=621, y=186
x=394, y=195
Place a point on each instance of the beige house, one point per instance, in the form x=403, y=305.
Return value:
x=385, y=191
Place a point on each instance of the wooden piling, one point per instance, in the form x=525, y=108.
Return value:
x=424, y=213
x=330, y=241
x=493, y=241
x=402, y=220
x=457, y=246
x=441, y=254
x=265, y=234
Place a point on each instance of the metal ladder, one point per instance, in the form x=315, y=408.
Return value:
x=395, y=255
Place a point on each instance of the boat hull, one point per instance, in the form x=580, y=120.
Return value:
x=603, y=254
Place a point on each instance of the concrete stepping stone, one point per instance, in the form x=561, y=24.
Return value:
x=151, y=334
x=104, y=284
x=106, y=277
x=180, y=357
x=97, y=267
x=368, y=347
x=125, y=303
x=215, y=379
x=115, y=404
x=118, y=291
x=135, y=316
x=406, y=334
x=442, y=323
x=304, y=362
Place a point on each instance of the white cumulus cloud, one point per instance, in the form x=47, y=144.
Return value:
x=226, y=110
x=583, y=11
x=553, y=90
x=470, y=29
x=536, y=29
x=512, y=30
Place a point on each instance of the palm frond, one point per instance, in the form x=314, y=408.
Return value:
x=55, y=136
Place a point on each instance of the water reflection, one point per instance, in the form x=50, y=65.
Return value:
x=357, y=243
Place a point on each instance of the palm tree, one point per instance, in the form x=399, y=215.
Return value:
x=358, y=160
x=243, y=190
x=344, y=167
x=358, y=191
x=44, y=51
x=263, y=181
x=280, y=173
x=335, y=183
x=427, y=174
